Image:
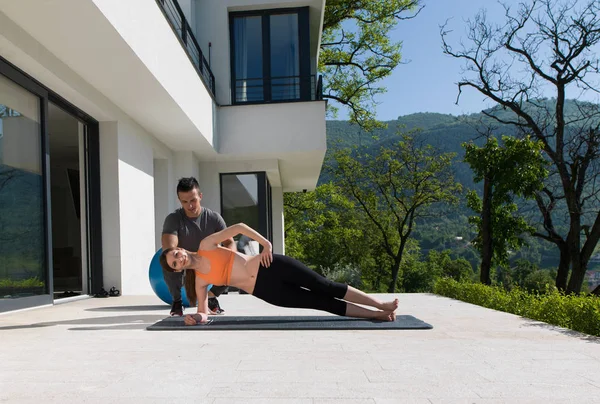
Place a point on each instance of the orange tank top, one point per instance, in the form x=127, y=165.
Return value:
x=221, y=263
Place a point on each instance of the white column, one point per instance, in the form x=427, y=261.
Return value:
x=128, y=218
x=136, y=206
x=210, y=186
x=185, y=164
x=162, y=197
x=109, y=184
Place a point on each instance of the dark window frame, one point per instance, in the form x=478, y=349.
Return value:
x=265, y=215
x=92, y=156
x=303, y=53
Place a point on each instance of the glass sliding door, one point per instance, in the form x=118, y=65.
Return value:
x=49, y=194
x=23, y=270
x=68, y=200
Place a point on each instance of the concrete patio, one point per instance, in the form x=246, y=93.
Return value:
x=98, y=351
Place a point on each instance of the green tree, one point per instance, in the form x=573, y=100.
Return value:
x=417, y=276
x=539, y=281
x=458, y=269
x=521, y=270
x=515, y=170
x=394, y=188
x=357, y=52
x=323, y=230
x=547, y=47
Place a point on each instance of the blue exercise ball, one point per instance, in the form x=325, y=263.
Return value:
x=157, y=282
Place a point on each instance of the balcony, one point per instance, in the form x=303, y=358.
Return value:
x=181, y=27
x=278, y=89
x=293, y=133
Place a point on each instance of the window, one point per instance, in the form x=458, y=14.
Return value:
x=22, y=243
x=270, y=56
x=246, y=198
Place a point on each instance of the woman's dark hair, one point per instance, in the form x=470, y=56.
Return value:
x=187, y=184
x=163, y=260
x=190, y=286
x=190, y=277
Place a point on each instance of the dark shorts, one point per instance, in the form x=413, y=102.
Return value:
x=289, y=283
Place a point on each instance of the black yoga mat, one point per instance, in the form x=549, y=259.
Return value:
x=291, y=323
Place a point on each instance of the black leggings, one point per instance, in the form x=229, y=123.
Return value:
x=289, y=283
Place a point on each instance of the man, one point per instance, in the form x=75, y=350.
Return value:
x=185, y=228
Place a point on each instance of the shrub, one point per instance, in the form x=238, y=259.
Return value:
x=344, y=274
x=577, y=312
x=24, y=283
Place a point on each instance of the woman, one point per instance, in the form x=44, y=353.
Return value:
x=274, y=278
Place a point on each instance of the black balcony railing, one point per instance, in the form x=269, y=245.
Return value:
x=278, y=89
x=180, y=25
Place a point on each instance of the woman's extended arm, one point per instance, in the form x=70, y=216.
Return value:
x=201, y=316
x=213, y=240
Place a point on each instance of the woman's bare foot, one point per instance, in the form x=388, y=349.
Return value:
x=390, y=306
x=386, y=315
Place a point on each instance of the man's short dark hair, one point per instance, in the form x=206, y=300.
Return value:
x=187, y=184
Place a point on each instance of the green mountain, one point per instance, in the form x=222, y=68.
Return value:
x=444, y=132
x=448, y=132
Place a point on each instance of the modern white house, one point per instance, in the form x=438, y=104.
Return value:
x=105, y=104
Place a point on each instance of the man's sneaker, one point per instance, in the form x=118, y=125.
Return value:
x=214, y=306
x=177, y=309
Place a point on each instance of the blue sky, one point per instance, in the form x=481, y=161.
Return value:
x=427, y=83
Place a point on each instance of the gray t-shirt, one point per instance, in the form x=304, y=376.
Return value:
x=190, y=232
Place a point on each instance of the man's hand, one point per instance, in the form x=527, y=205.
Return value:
x=194, y=319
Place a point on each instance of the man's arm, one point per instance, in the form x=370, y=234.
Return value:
x=169, y=238
x=169, y=241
